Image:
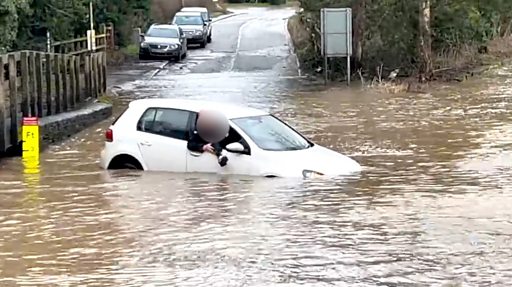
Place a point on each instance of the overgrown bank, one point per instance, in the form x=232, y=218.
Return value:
x=426, y=39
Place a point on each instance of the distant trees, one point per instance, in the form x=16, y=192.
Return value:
x=24, y=23
x=412, y=34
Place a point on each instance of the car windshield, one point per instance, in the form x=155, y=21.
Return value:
x=188, y=20
x=205, y=16
x=163, y=33
x=269, y=133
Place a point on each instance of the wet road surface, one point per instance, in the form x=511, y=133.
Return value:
x=432, y=206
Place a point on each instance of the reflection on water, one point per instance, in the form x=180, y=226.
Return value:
x=431, y=208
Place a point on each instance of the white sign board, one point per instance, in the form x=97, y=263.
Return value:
x=336, y=30
x=91, y=40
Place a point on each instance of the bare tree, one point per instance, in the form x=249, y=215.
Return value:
x=425, y=42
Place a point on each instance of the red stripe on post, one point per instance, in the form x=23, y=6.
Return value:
x=32, y=121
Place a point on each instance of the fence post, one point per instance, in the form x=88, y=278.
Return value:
x=104, y=73
x=72, y=82
x=49, y=96
x=65, y=83
x=58, y=84
x=111, y=39
x=39, y=83
x=25, y=79
x=103, y=31
x=3, y=112
x=33, y=83
x=94, y=63
x=87, y=76
x=78, y=80
x=13, y=99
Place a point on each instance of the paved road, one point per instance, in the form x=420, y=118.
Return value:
x=250, y=54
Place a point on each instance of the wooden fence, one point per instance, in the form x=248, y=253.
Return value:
x=104, y=41
x=44, y=84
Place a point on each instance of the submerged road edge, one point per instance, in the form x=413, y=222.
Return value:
x=57, y=128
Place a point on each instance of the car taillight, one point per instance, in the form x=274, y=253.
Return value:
x=109, y=135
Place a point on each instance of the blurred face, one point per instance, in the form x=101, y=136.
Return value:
x=212, y=126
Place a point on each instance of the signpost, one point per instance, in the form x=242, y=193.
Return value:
x=336, y=36
x=91, y=34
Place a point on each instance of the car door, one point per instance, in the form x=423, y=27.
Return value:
x=163, y=134
x=238, y=163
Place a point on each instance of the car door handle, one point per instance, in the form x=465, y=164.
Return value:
x=196, y=154
x=145, y=143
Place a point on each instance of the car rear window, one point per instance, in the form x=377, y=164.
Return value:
x=119, y=116
x=166, y=122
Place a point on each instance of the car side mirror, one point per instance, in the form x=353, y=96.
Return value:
x=235, y=147
x=210, y=19
x=205, y=24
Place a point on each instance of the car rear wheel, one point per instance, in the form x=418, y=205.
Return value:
x=125, y=161
x=209, y=38
x=203, y=44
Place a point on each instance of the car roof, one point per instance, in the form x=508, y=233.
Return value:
x=188, y=9
x=165, y=26
x=231, y=111
x=188, y=13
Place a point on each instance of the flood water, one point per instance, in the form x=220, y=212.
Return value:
x=432, y=207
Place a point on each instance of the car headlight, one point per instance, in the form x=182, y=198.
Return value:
x=143, y=44
x=311, y=174
x=199, y=32
x=173, y=46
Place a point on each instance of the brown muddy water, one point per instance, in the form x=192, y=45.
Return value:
x=433, y=206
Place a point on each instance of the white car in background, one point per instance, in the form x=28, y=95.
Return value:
x=152, y=135
x=206, y=17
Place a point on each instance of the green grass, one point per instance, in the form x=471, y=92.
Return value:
x=131, y=50
x=105, y=99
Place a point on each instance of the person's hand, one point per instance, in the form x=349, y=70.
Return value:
x=208, y=148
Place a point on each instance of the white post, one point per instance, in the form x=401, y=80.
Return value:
x=91, y=15
x=48, y=42
x=91, y=35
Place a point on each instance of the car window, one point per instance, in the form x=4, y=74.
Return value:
x=269, y=133
x=165, y=122
x=233, y=136
x=162, y=33
x=188, y=20
x=145, y=123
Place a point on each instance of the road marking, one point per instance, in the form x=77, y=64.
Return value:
x=234, y=14
x=239, y=42
x=159, y=69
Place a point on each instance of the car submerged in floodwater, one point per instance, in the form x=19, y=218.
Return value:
x=152, y=135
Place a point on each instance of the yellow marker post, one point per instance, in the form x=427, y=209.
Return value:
x=30, y=158
x=30, y=138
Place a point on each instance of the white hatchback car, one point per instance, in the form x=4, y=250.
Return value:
x=152, y=134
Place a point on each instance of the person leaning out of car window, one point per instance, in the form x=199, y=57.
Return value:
x=209, y=130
